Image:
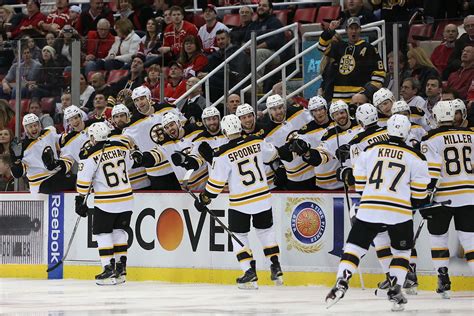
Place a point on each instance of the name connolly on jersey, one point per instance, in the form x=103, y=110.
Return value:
x=244, y=152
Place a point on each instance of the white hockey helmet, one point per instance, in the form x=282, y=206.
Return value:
x=458, y=105
x=30, y=119
x=381, y=95
x=400, y=106
x=443, y=111
x=210, y=111
x=244, y=109
x=99, y=131
x=230, y=125
x=71, y=111
x=170, y=117
x=338, y=106
x=398, y=125
x=119, y=109
x=317, y=102
x=274, y=101
x=366, y=114
x=141, y=91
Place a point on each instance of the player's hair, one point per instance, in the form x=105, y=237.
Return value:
x=420, y=56
x=176, y=8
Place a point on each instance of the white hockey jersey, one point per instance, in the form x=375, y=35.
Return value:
x=388, y=175
x=208, y=37
x=71, y=144
x=240, y=163
x=450, y=155
x=108, y=177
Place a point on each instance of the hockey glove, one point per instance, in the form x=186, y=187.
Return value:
x=182, y=160
x=202, y=202
x=206, y=151
x=344, y=174
x=148, y=160
x=343, y=153
x=285, y=153
x=48, y=159
x=137, y=157
x=81, y=206
x=16, y=149
x=299, y=147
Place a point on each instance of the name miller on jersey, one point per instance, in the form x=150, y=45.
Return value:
x=390, y=153
x=107, y=155
x=457, y=138
x=244, y=152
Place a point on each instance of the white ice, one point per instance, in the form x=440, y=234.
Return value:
x=74, y=297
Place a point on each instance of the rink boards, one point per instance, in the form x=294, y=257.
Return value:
x=171, y=241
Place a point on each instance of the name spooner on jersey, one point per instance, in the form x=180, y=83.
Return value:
x=244, y=152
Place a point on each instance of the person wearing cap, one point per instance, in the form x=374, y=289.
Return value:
x=358, y=65
x=207, y=32
x=50, y=80
x=30, y=23
x=175, y=86
x=56, y=19
x=74, y=14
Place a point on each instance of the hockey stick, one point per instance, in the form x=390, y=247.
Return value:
x=422, y=223
x=78, y=217
x=211, y=213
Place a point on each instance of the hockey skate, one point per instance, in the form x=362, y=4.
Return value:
x=276, y=273
x=411, y=282
x=108, y=276
x=121, y=270
x=249, y=280
x=339, y=290
x=382, y=287
x=444, y=284
x=395, y=295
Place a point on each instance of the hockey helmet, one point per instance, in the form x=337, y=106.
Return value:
x=244, y=109
x=210, y=111
x=366, y=114
x=400, y=106
x=274, y=101
x=30, y=119
x=170, y=117
x=317, y=102
x=399, y=126
x=120, y=108
x=458, y=105
x=71, y=111
x=99, y=131
x=338, y=106
x=140, y=92
x=230, y=125
x=381, y=95
x=443, y=111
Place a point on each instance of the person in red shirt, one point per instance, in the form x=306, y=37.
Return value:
x=175, y=85
x=101, y=111
x=98, y=45
x=191, y=57
x=89, y=19
x=461, y=80
x=176, y=32
x=29, y=24
x=441, y=53
x=56, y=19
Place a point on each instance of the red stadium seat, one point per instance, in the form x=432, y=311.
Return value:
x=438, y=35
x=422, y=30
x=305, y=15
x=231, y=20
x=48, y=105
x=282, y=15
x=327, y=13
x=23, y=105
x=116, y=75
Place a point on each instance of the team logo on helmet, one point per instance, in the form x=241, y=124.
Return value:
x=347, y=64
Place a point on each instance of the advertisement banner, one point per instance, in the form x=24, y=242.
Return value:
x=56, y=233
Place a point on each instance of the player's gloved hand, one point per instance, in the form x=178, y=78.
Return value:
x=203, y=201
x=16, y=149
x=299, y=147
x=48, y=159
x=148, y=160
x=281, y=178
x=81, y=207
x=137, y=157
x=182, y=160
x=343, y=153
x=206, y=151
x=285, y=153
x=344, y=174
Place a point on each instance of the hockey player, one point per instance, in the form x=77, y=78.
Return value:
x=248, y=119
x=27, y=160
x=121, y=119
x=416, y=131
x=460, y=113
x=103, y=167
x=240, y=164
x=392, y=179
x=313, y=132
x=450, y=153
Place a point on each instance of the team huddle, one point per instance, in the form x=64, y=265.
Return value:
x=398, y=160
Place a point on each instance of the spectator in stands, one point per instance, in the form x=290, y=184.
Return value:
x=136, y=11
x=461, y=79
x=29, y=71
x=356, y=100
x=100, y=86
x=152, y=80
x=420, y=65
x=7, y=182
x=151, y=42
x=86, y=93
x=126, y=45
x=356, y=8
x=233, y=101
x=50, y=81
x=7, y=55
x=98, y=43
x=449, y=94
x=237, y=34
x=454, y=62
x=160, y=6
x=63, y=45
x=193, y=105
x=50, y=38
x=101, y=111
x=56, y=20
x=7, y=116
x=74, y=15
x=433, y=90
x=441, y=53
x=66, y=101
x=409, y=92
x=8, y=20
x=191, y=57
x=89, y=19
x=175, y=33
x=135, y=77
x=6, y=137
x=175, y=85
x=207, y=32
x=35, y=108
x=402, y=71
x=35, y=51
x=29, y=24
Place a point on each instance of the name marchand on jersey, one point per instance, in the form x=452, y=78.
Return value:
x=388, y=175
x=450, y=154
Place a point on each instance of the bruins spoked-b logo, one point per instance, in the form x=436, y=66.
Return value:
x=157, y=133
x=307, y=225
x=347, y=64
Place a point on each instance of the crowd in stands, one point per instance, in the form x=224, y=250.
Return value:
x=129, y=43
